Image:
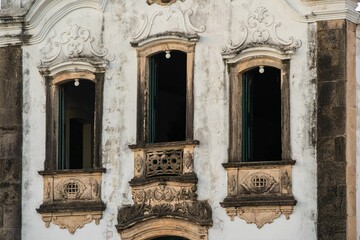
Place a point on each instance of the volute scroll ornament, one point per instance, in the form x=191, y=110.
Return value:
x=260, y=30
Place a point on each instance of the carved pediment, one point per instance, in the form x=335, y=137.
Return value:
x=75, y=43
x=180, y=22
x=261, y=30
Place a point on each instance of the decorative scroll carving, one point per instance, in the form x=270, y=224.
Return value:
x=164, y=162
x=76, y=42
x=163, y=194
x=184, y=17
x=232, y=183
x=261, y=29
x=260, y=215
x=196, y=211
x=162, y=2
x=188, y=161
x=259, y=183
x=139, y=164
x=285, y=181
x=47, y=191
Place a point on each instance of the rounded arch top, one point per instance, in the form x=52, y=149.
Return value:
x=163, y=42
x=248, y=63
x=161, y=227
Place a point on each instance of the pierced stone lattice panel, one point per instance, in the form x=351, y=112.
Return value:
x=164, y=162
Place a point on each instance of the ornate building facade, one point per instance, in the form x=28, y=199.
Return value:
x=179, y=119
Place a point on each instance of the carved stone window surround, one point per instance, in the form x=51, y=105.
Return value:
x=260, y=207
x=72, y=198
x=259, y=192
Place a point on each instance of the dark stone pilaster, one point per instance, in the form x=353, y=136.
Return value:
x=335, y=146
x=10, y=142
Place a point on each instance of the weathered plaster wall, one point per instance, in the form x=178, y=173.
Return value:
x=10, y=142
x=114, y=28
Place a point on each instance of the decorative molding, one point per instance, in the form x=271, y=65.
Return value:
x=163, y=193
x=184, y=17
x=72, y=221
x=260, y=215
x=195, y=211
x=261, y=29
x=258, y=183
x=259, y=192
x=175, y=159
x=162, y=2
x=76, y=42
x=72, y=198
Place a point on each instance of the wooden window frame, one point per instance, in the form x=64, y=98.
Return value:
x=52, y=83
x=236, y=71
x=148, y=49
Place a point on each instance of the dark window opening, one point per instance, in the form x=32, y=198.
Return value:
x=170, y=238
x=261, y=111
x=76, y=125
x=167, y=97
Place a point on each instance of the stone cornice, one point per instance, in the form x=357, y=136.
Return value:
x=37, y=19
x=312, y=11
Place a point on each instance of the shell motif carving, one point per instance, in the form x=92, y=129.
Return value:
x=259, y=183
x=261, y=28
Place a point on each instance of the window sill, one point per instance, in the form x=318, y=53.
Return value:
x=259, y=192
x=72, y=198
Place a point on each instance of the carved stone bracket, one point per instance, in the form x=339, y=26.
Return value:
x=162, y=2
x=259, y=192
x=72, y=221
x=260, y=30
x=72, y=198
x=259, y=215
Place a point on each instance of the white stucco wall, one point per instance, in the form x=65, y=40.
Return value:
x=211, y=122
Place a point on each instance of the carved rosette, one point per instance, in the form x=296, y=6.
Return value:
x=259, y=192
x=72, y=198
